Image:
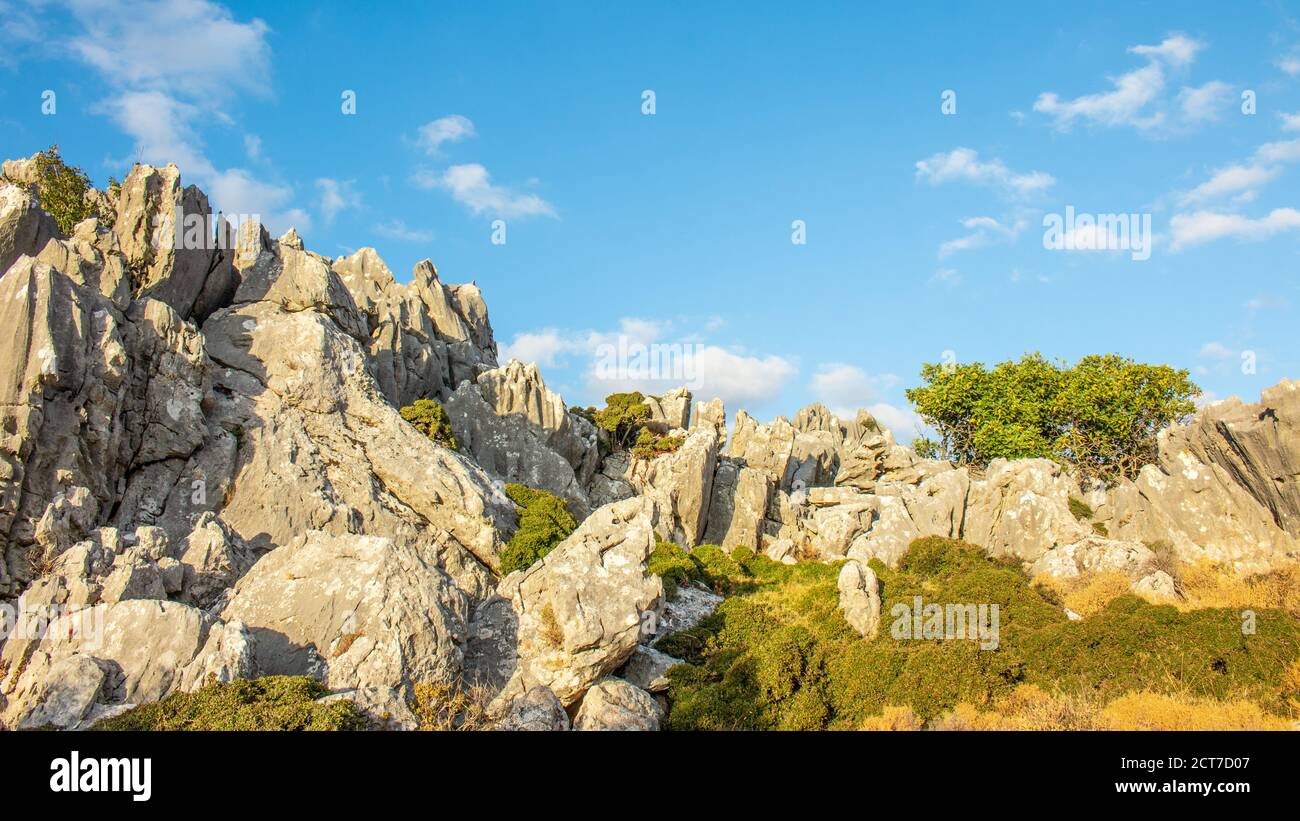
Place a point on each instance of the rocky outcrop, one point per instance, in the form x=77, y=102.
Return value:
x=1257, y=445
x=681, y=485
x=144, y=651
x=24, y=227
x=422, y=338
x=582, y=610
x=519, y=431
x=356, y=611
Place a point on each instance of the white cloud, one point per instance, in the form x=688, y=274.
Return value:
x=1243, y=179
x=1216, y=350
x=1290, y=122
x=253, y=146
x=845, y=388
x=1176, y=49
x=1136, y=97
x=397, y=229
x=739, y=377
x=235, y=191
x=471, y=185
x=964, y=164
x=450, y=129
x=1262, y=303
x=164, y=84
x=192, y=47
x=335, y=197
x=1204, y=103
x=1290, y=65
x=984, y=231
x=904, y=423
x=1206, y=226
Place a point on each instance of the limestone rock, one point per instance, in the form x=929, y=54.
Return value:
x=614, y=704
x=519, y=431
x=672, y=411
x=373, y=612
x=147, y=650
x=24, y=227
x=1158, y=585
x=538, y=710
x=584, y=607
x=681, y=485
x=860, y=598
x=737, y=505
x=648, y=669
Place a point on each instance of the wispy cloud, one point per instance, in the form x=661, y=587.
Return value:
x=964, y=165
x=450, y=129
x=398, y=230
x=1201, y=227
x=164, y=86
x=335, y=197
x=1264, y=165
x=1137, y=98
x=472, y=186
x=983, y=231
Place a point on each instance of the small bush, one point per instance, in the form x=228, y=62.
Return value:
x=649, y=444
x=1080, y=509
x=441, y=707
x=544, y=522
x=270, y=703
x=672, y=564
x=430, y=418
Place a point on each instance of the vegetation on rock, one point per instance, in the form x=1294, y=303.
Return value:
x=270, y=703
x=544, y=522
x=61, y=190
x=1101, y=415
x=778, y=654
x=430, y=418
x=649, y=444
x=622, y=416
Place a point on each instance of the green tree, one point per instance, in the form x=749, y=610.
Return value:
x=430, y=418
x=623, y=416
x=61, y=190
x=1101, y=415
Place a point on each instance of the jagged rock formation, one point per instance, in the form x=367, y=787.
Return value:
x=203, y=471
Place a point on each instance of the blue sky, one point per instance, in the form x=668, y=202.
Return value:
x=924, y=230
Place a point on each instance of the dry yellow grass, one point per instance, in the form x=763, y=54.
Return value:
x=1028, y=707
x=894, y=718
x=1202, y=585
x=1154, y=711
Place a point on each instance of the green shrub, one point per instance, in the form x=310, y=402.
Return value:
x=649, y=444
x=672, y=564
x=270, y=703
x=1100, y=416
x=62, y=189
x=778, y=654
x=544, y=522
x=430, y=418
x=926, y=448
